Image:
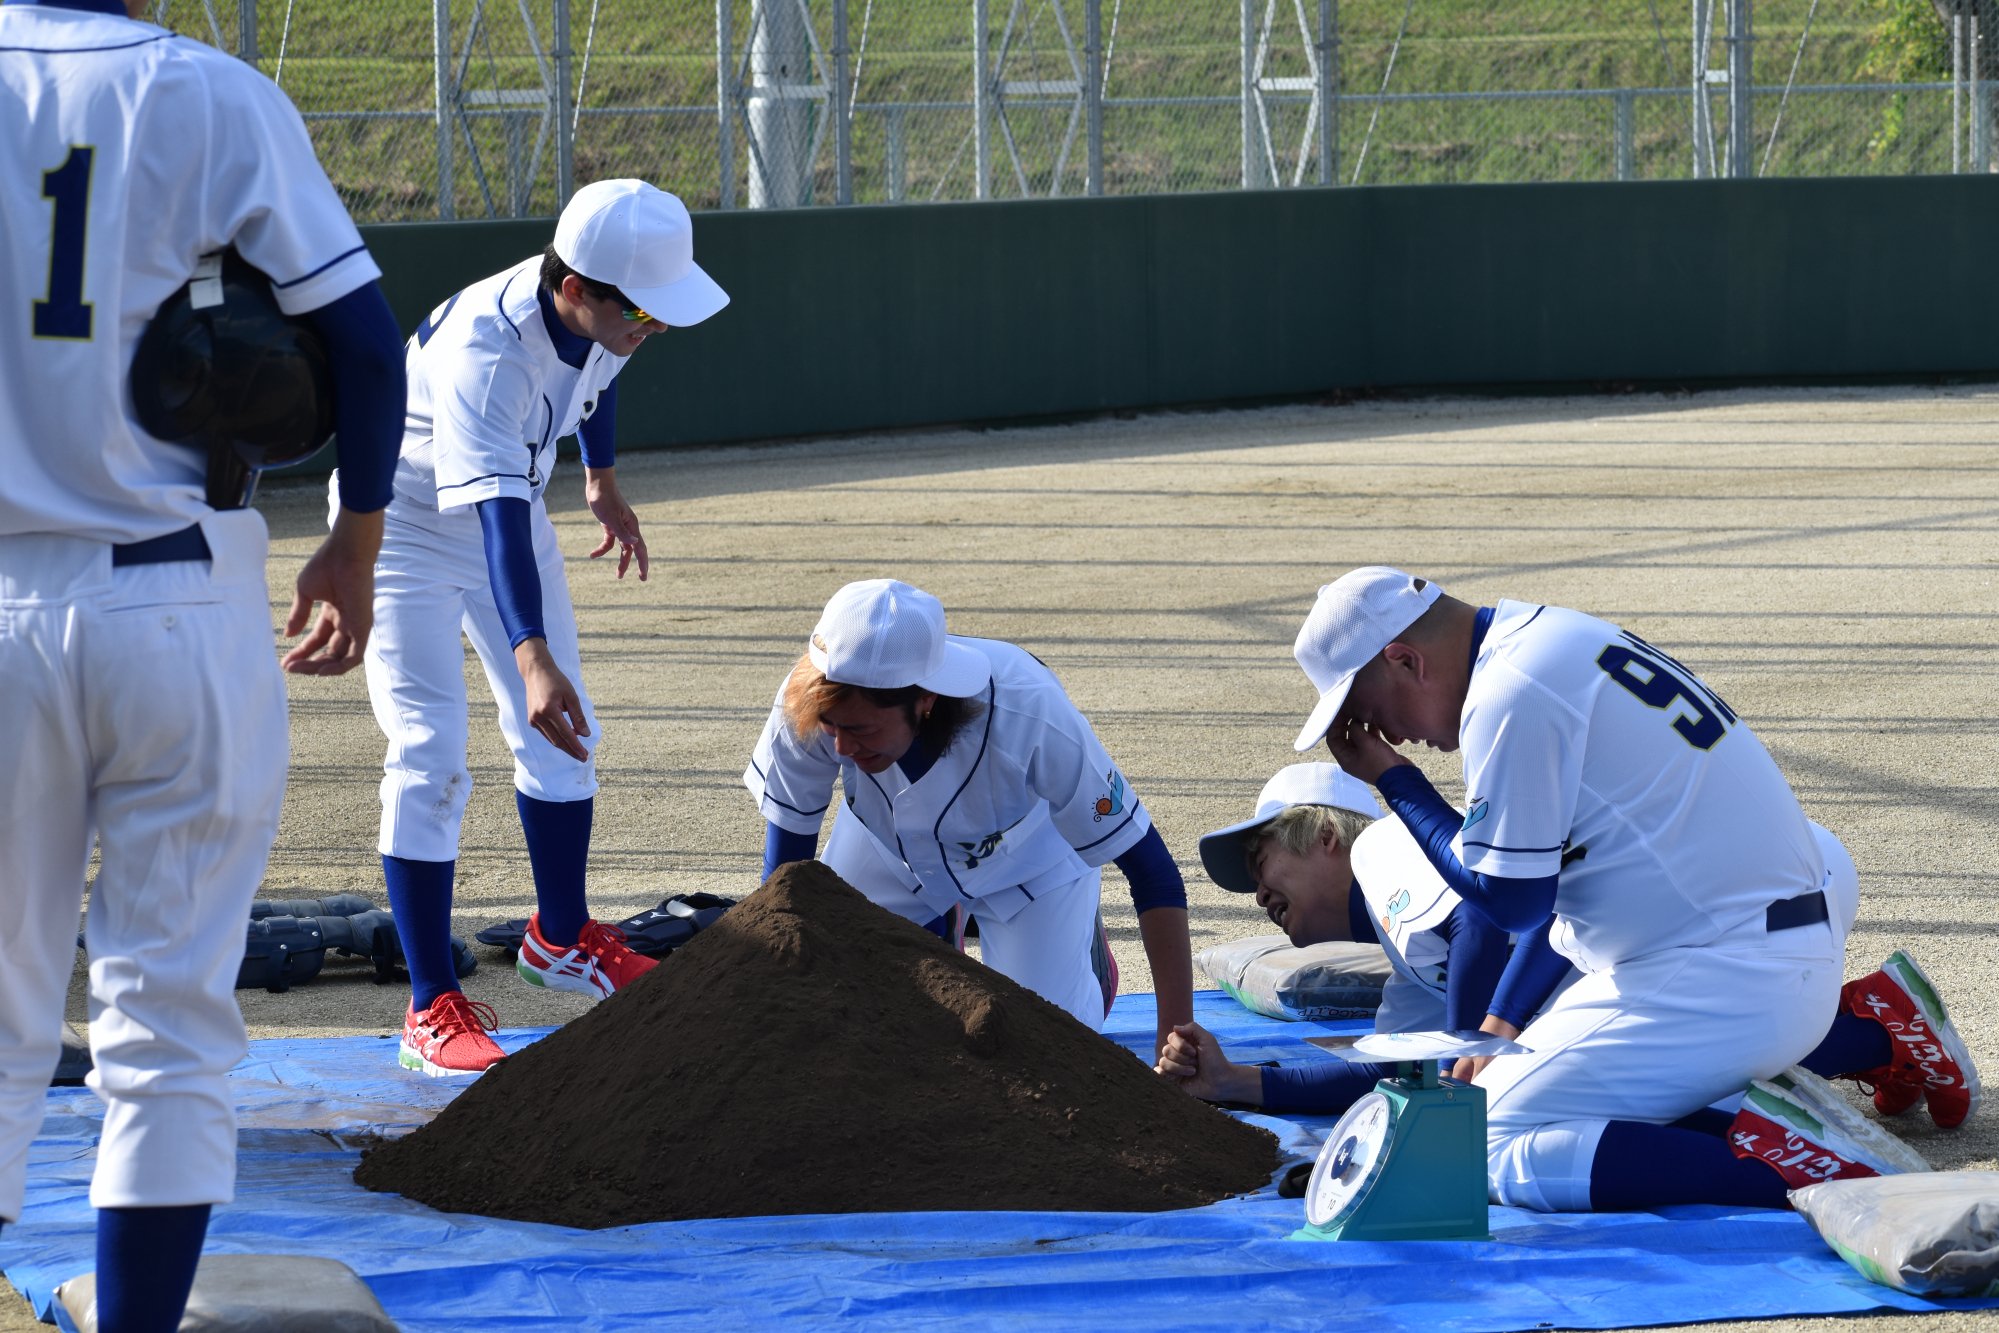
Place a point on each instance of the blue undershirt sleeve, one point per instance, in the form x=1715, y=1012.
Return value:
x=781, y=845
x=1155, y=881
x=1321, y=1087
x=365, y=351
x=597, y=436
x=1477, y=960
x=1530, y=978
x=1514, y=905
x=510, y=567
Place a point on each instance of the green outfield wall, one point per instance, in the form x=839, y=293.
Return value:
x=863, y=318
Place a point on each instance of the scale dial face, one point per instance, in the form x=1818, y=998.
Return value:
x=1351, y=1160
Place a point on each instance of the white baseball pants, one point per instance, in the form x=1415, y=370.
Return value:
x=1652, y=1039
x=428, y=589
x=149, y=713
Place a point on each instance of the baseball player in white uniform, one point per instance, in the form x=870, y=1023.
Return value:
x=972, y=786
x=497, y=374
x=1324, y=865
x=1617, y=803
x=144, y=708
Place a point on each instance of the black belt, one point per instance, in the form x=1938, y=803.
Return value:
x=187, y=544
x=1804, y=910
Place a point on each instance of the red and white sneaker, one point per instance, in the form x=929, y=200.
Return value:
x=450, y=1037
x=1930, y=1062
x=1807, y=1132
x=597, y=964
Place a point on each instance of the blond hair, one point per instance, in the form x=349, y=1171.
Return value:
x=1299, y=829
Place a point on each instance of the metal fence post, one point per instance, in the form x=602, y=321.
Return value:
x=982, y=148
x=1622, y=132
x=1703, y=128
x=1957, y=80
x=1741, y=87
x=440, y=37
x=1093, y=92
x=840, y=103
x=1250, y=174
x=725, y=126
x=1328, y=48
x=565, y=127
x=779, y=106
x=1981, y=98
x=246, y=31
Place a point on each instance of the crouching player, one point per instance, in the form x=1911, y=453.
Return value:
x=1323, y=867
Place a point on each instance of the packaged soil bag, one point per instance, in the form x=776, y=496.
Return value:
x=1934, y=1233
x=1268, y=976
x=257, y=1293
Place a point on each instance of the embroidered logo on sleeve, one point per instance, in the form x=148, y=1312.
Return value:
x=1396, y=906
x=1112, y=801
x=1478, y=812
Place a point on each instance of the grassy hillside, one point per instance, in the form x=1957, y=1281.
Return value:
x=345, y=56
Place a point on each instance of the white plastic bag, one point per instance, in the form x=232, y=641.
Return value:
x=1268, y=976
x=1935, y=1233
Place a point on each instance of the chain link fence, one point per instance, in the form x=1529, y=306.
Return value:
x=497, y=108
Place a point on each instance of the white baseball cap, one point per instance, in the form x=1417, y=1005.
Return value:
x=1296, y=784
x=1357, y=615
x=882, y=634
x=639, y=239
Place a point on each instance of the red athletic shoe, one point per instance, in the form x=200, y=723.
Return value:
x=450, y=1037
x=1802, y=1127
x=1930, y=1061
x=597, y=964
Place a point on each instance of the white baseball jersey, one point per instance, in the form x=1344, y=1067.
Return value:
x=144, y=709
x=1408, y=900
x=1025, y=801
x=138, y=153
x=1590, y=753
x=488, y=399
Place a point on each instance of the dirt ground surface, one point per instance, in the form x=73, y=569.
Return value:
x=1824, y=558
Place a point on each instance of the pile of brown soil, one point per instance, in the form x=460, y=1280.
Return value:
x=813, y=1053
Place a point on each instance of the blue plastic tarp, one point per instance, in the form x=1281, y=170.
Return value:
x=1229, y=1265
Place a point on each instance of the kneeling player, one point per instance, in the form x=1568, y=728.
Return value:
x=1621, y=808
x=1324, y=870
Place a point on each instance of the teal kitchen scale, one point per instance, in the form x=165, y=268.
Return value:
x=1407, y=1161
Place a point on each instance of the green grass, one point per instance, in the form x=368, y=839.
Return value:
x=373, y=55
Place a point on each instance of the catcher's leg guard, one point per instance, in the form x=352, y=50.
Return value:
x=372, y=935
x=281, y=952
x=339, y=904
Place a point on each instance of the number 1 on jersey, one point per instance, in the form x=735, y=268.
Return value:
x=65, y=314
